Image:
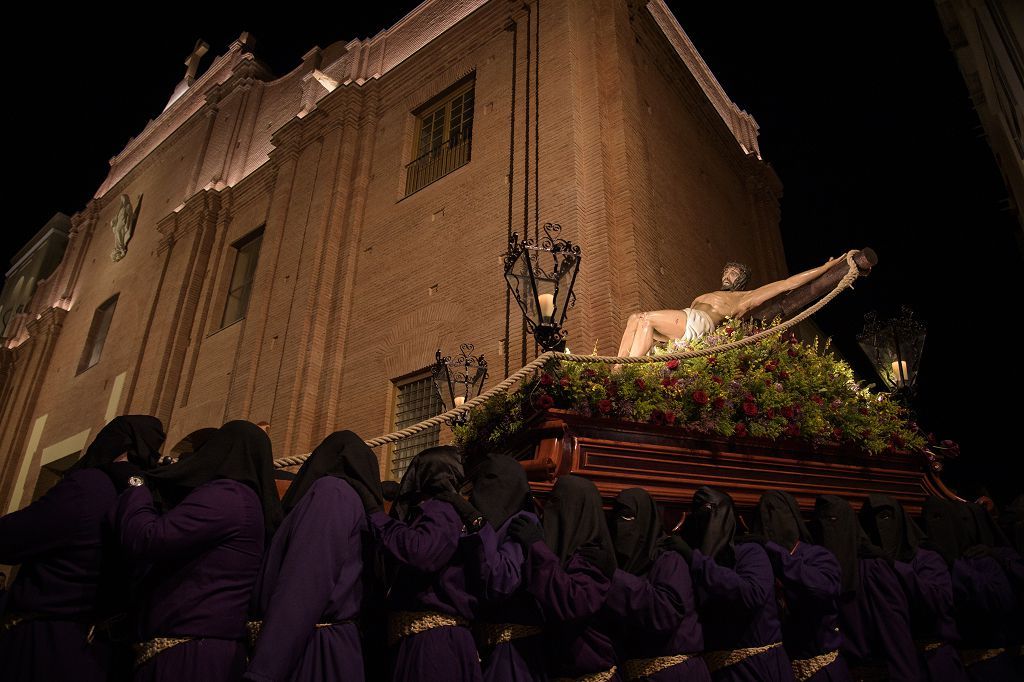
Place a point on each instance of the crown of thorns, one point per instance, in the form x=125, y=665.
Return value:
x=744, y=273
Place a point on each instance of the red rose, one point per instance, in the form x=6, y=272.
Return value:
x=700, y=397
x=669, y=382
x=672, y=364
x=589, y=373
x=771, y=365
x=564, y=381
x=783, y=374
x=604, y=406
x=657, y=417
x=866, y=433
x=670, y=418
x=792, y=352
x=770, y=413
x=749, y=397
x=545, y=401
x=792, y=339
x=837, y=433
x=863, y=410
x=818, y=400
x=719, y=403
x=729, y=330
x=716, y=379
x=749, y=408
x=712, y=361
x=787, y=412
x=641, y=385
x=931, y=439
x=740, y=429
x=836, y=404
x=793, y=430
x=546, y=379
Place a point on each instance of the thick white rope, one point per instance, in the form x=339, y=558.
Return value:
x=544, y=358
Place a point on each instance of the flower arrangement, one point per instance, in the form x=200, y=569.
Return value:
x=775, y=388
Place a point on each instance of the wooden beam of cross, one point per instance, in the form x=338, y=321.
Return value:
x=192, y=61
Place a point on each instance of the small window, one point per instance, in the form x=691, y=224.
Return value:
x=444, y=131
x=415, y=400
x=97, y=334
x=247, y=252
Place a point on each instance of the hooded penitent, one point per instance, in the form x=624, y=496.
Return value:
x=778, y=519
x=140, y=436
x=711, y=525
x=574, y=523
x=239, y=451
x=342, y=454
x=433, y=471
x=890, y=528
x=940, y=522
x=636, y=530
x=500, y=489
x=836, y=529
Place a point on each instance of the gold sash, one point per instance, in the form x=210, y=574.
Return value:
x=405, y=623
x=637, y=668
x=493, y=634
x=717, y=660
x=804, y=668
x=147, y=650
x=972, y=656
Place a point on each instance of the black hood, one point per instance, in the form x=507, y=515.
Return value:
x=890, y=528
x=574, y=522
x=433, y=471
x=636, y=530
x=342, y=454
x=711, y=525
x=836, y=529
x=139, y=435
x=778, y=519
x=942, y=526
x=239, y=451
x=500, y=489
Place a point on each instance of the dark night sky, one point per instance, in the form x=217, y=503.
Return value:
x=863, y=115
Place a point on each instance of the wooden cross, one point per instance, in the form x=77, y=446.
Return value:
x=192, y=61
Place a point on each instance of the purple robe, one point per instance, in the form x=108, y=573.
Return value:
x=496, y=578
x=876, y=624
x=810, y=582
x=739, y=611
x=985, y=605
x=205, y=555
x=313, y=573
x=59, y=542
x=1013, y=566
x=656, y=615
x=929, y=588
x=431, y=577
x=570, y=597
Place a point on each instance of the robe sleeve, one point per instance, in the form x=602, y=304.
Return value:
x=983, y=584
x=927, y=582
x=201, y=520
x=749, y=584
x=576, y=591
x=426, y=544
x=320, y=542
x=815, y=575
x=45, y=525
x=499, y=562
x=890, y=613
x=657, y=602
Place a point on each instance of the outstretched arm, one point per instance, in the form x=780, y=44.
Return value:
x=769, y=291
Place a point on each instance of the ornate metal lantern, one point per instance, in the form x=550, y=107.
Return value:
x=894, y=348
x=541, y=276
x=459, y=379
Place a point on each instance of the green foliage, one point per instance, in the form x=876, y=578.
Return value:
x=775, y=388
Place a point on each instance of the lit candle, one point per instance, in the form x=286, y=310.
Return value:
x=459, y=400
x=547, y=305
x=901, y=377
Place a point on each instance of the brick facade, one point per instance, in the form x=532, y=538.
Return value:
x=642, y=159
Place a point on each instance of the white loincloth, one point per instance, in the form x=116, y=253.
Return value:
x=698, y=324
